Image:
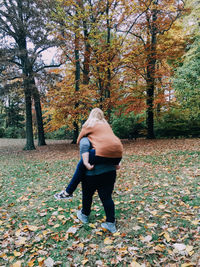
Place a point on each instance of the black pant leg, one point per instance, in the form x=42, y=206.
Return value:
x=88, y=190
x=105, y=189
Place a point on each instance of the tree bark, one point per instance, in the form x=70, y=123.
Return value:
x=38, y=109
x=77, y=84
x=29, y=127
x=151, y=66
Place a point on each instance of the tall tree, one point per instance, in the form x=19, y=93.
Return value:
x=148, y=21
x=26, y=35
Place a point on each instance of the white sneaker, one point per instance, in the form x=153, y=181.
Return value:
x=109, y=226
x=82, y=217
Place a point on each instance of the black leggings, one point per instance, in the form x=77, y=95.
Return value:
x=104, y=184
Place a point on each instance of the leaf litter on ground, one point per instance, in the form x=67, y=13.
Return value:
x=157, y=206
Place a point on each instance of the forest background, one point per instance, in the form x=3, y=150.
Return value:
x=138, y=60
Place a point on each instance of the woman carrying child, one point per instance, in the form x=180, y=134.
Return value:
x=100, y=149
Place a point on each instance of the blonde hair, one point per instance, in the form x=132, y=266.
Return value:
x=96, y=115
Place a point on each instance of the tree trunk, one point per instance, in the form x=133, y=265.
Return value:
x=151, y=65
x=38, y=109
x=77, y=84
x=150, y=111
x=29, y=127
x=108, y=83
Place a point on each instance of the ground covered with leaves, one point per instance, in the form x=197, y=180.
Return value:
x=157, y=207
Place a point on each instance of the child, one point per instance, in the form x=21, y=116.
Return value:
x=107, y=148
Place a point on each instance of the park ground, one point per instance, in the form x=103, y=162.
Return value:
x=157, y=207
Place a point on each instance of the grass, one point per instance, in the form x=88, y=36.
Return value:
x=157, y=204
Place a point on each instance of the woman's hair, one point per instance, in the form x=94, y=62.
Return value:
x=96, y=115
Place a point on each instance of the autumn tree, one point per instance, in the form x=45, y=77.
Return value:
x=91, y=50
x=148, y=22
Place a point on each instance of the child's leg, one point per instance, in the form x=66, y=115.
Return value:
x=80, y=169
x=78, y=175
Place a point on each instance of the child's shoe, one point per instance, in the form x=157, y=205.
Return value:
x=109, y=226
x=82, y=217
x=62, y=195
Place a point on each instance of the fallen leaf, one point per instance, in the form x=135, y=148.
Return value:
x=167, y=237
x=116, y=234
x=72, y=230
x=21, y=241
x=41, y=260
x=17, y=264
x=61, y=217
x=56, y=225
x=108, y=241
x=49, y=262
x=195, y=222
x=31, y=263
x=179, y=247
x=92, y=225
x=99, y=262
x=147, y=238
x=189, y=264
x=18, y=232
x=17, y=253
x=135, y=264
x=32, y=228
x=84, y=261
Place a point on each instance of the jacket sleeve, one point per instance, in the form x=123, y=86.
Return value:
x=84, y=131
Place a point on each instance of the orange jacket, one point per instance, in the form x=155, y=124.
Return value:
x=103, y=140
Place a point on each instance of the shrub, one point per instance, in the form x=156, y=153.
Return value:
x=174, y=124
x=12, y=132
x=61, y=134
x=128, y=126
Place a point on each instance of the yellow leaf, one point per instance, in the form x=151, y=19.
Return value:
x=92, y=225
x=17, y=253
x=108, y=241
x=80, y=245
x=21, y=241
x=189, y=248
x=84, y=261
x=134, y=264
x=32, y=228
x=159, y=247
x=167, y=237
x=99, y=233
x=3, y=255
x=17, y=264
x=154, y=212
x=116, y=234
x=189, y=264
x=196, y=222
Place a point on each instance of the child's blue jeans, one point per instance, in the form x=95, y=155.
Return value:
x=85, y=146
